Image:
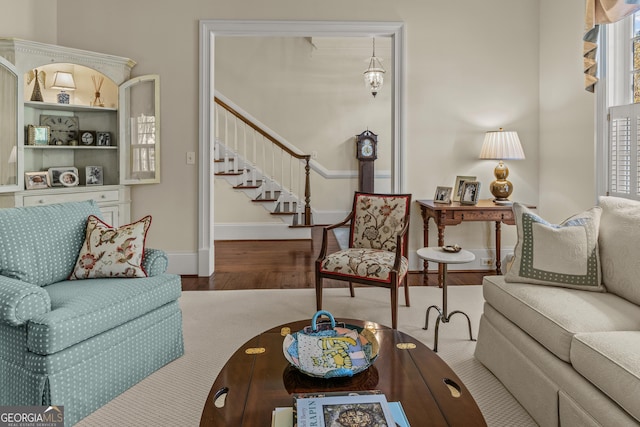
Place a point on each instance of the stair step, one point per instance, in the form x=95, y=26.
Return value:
x=265, y=200
x=230, y=159
x=258, y=184
x=274, y=196
x=231, y=173
x=246, y=187
x=283, y=213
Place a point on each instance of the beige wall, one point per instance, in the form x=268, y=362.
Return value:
x=312, y=94
x=567, y=112
x=29, y=19
x=471, y=66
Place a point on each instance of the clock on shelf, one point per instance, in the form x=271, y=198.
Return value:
x=64, y=129
x=366, y=153
x=87, y=137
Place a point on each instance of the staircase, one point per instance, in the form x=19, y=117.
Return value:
x=266, y=170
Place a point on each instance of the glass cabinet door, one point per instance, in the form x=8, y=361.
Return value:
x=11, y=139
x=139, y=117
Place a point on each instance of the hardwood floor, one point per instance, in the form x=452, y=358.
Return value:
x=287, y=264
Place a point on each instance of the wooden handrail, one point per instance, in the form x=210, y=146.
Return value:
x=305, y=157
x=259, y=130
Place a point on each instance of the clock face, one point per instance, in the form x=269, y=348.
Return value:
x=63, y=128
x=367, y=148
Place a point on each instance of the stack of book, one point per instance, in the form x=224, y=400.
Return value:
x=362, y=408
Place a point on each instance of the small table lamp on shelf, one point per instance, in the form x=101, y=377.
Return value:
x=501, y=145
x=64, y=81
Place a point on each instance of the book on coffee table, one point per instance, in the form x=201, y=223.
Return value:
x=283, y=416
x=329, y=409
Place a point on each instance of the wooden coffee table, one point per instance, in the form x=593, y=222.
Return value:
x=257, y=378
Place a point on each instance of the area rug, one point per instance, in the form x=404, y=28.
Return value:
x=216, y=323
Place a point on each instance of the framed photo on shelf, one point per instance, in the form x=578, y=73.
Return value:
x=470, y=192
x=443, y=195
x=69, y=179
x=93, y=175
x=38, y=135
x=457, y=189
x=103, y=139
x=54, y=175
x=36, y=180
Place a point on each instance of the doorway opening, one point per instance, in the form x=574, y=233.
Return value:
x=210, y=29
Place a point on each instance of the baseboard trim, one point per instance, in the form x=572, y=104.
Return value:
x=183, y=263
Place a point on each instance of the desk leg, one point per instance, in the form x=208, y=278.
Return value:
x=441, y=267
x=425, y=240
x=498, y=257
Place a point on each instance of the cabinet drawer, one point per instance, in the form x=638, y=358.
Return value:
x=46, y=199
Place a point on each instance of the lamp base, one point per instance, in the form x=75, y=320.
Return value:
x=63, y=98
x=503, y=202
x=501, y=189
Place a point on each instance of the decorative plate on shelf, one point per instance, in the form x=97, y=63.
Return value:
x=452, y=248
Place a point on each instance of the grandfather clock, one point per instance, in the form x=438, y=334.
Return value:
x=366, y=153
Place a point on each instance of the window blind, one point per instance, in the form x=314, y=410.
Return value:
x=624, y=151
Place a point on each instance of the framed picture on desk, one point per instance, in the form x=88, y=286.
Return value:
x=457, y=189
x=469, y=193
x=443, y=195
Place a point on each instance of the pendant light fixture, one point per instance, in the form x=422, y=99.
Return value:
x=374, y=75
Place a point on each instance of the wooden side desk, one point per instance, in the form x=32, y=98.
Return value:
x=454, y=213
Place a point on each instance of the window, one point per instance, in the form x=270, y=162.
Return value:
x=143, y=143
x=619, y=110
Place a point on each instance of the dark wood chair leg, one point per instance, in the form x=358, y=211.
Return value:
x=394, y=306
x=318, y=292
x=351, y=290
x=405, y=283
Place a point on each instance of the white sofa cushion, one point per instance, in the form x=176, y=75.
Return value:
x=619, y=239
x=553, y=315
x=611, y=362
x=558, y=255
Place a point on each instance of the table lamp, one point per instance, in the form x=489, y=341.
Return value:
x=501, y=145
x=64, y=81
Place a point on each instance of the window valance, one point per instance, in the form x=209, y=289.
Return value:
x=599, y=12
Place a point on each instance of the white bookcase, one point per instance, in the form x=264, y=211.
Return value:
x=128, y=112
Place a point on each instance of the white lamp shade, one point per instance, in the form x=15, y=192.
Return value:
x=63, y=81
x=501, y=145
x=13, y=156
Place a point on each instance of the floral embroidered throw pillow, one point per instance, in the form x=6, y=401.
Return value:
x=112, y=252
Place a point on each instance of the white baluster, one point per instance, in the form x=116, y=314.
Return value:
x=235, y=145
x=226, y=140
x=254, y=158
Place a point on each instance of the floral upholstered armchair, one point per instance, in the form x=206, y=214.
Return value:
x=378, y=245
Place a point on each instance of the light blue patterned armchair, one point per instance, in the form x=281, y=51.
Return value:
x=77, y=343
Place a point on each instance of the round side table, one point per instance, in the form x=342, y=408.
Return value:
x=440, y=256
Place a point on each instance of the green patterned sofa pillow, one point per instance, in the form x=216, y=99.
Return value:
x=563, y=255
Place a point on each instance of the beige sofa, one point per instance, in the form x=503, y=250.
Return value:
x=571, y=357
